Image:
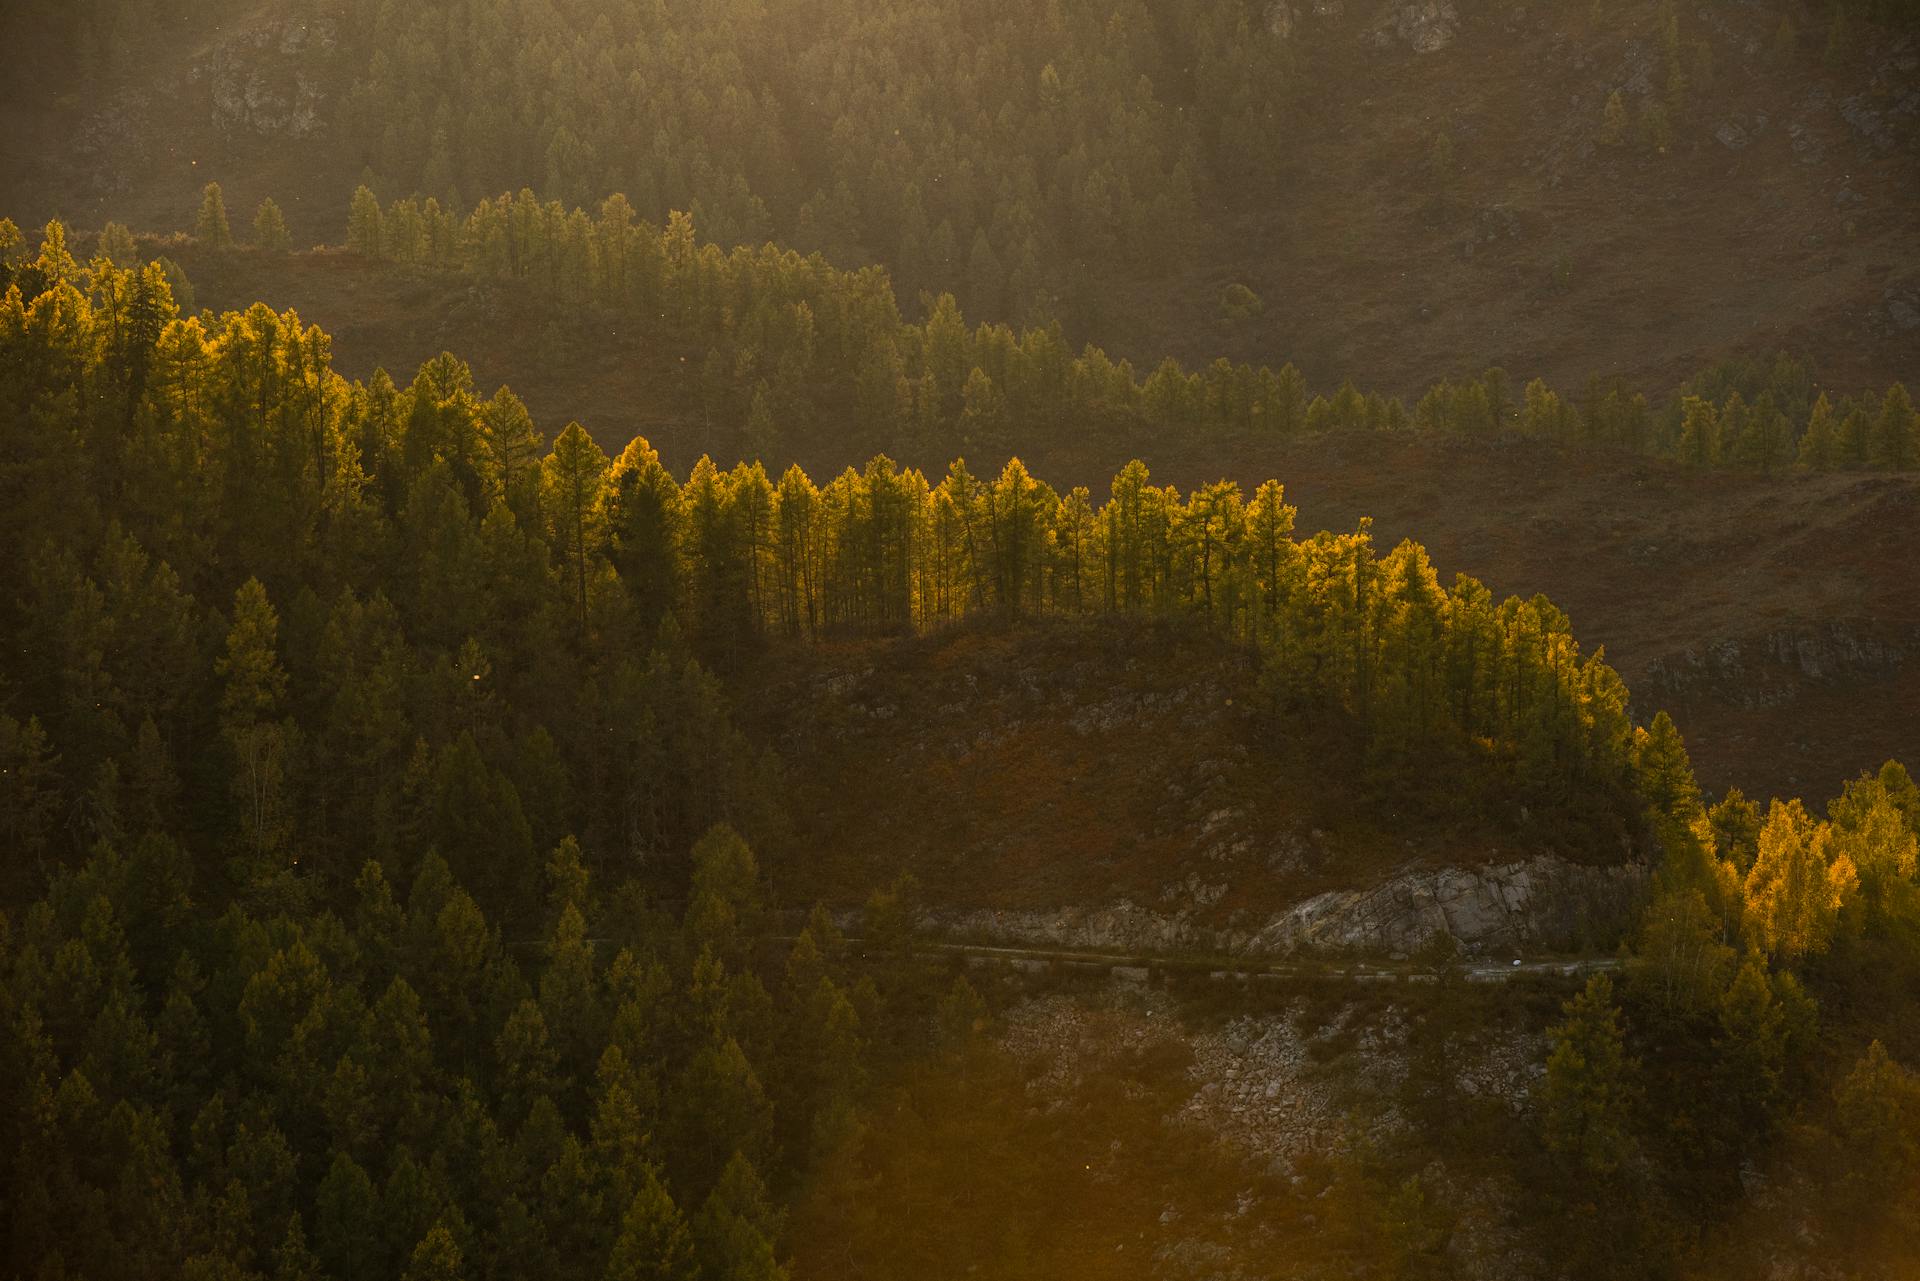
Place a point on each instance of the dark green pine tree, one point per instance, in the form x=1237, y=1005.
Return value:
x=1591, y=1091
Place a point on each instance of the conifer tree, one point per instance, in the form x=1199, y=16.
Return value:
x=1686, y=959
x=1752, y=1048
x=293, y=1261
x=571, y=481
x=1797, y=885
x=210, y=226
x=364, y=219
x=1873, y=834
x=1819, y=446
x=270, y=228
x=116, y=242
x=1591, y=1090
x=345, y=1208
x=1699, y=432
x=1766, y=442
x=1676, y=72
x=734, y=1229
x=1896, y=432
x=436, y=1258
x=655, y=1243
x=1664, y=770
x=177, y=284
x=1656, y=125
x=1878, y=1107
x=249, y=716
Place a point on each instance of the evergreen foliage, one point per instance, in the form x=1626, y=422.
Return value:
x=270, y=228
x=381, y=895
x=210, y=225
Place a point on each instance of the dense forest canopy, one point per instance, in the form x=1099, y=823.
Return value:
x=793, y=344
x=408, y=810
x=785, y=350
x=222, y=455
x=381, y=895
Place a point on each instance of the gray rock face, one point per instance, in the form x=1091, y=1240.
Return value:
x=1542, y=902
x=1425, y=26
x=1539, y=903
x=265, y=80
x=1807, y=147
x=1768, y=670
x=1120, y=927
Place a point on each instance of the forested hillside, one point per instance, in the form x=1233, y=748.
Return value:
x=640, y=331
x=1388, y=192
x=382, y=797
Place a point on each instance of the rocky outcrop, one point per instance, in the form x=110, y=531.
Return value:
x=1119, y=927
x=1425, y=26
x=1543, y=903
x=265, y=80
x=1769, y=670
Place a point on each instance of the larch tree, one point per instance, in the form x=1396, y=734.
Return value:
x=1819, y=444
x=1768, y=439
x=1872, y=833
x=364, y=219
x=718, y=1108
x=116, y=242
x=210, y=226
x=1591, y=1089
x=655, y=1243
x=1686, y=959
x=511, y=446
x=436, y=1258
x=1751, y=1047
x=1896, y=432
x=642, y=521
x=270, y=228
x=762, y=432
x=255, y=684
x=1699, y=432
x=571, y=481
x=1877, y=1105
x=1797, y=885
x=346, y=1205
x=1664, y=771
x=734, y=1230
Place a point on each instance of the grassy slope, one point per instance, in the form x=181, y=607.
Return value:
x=1372, y=269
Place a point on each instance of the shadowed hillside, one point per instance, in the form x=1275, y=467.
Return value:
x=1411, y=190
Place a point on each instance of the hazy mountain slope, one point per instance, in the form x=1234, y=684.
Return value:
x=1430, y=196
x=1781, y=214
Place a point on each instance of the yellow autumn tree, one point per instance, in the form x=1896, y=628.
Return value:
x=1797, y=885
